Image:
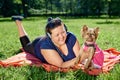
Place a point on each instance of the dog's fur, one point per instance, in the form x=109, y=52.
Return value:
x=89, y=35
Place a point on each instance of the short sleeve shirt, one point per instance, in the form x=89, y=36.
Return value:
x=46, y=43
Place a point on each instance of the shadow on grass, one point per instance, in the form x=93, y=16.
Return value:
x=17, y=52
x=5, y=20
x=25, y=19
x=2, y=56
x=108, y=22
x=32, y=18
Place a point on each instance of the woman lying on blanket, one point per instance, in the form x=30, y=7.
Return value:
x=59, y=47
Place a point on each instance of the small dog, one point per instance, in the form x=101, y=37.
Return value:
x=88, y=55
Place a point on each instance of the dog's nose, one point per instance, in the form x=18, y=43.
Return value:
x=91, y=35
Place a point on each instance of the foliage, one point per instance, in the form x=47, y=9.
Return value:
x=68, y=7
x=113, y=7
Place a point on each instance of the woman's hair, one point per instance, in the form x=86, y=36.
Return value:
x=53, y=23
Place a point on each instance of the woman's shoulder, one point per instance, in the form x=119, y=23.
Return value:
x=70, y=36
x=46, y=43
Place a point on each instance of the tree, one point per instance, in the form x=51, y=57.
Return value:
x=25, y=7
x=113, y=8
x=8, y=8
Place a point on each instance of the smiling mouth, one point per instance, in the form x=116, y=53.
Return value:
x=61, y=41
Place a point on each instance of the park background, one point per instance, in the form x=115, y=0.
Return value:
x=80, y=8
x=74, y=13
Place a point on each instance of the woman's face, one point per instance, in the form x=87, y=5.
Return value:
x=58, y=35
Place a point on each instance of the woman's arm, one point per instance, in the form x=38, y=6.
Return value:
x=76, y=48
x=52, y=57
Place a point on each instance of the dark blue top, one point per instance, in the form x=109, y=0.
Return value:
x=46, y=43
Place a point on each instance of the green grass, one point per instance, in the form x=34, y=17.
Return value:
x=10, y=45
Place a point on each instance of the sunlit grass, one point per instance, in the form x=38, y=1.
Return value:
x=10, y=45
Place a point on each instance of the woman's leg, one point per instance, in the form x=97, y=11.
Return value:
x=25, y=42
x=22, y=34
x=20, y=28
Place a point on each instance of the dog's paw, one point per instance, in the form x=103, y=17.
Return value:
x=86, y=66
x=77, y=60
x=91, y=67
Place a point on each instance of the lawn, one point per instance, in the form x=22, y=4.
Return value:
x=10, y=45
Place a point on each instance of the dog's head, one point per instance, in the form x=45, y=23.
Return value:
x=89, y=34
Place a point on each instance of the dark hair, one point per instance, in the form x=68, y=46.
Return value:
x=52, y=23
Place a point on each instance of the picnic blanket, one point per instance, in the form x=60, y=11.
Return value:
x=111, y=57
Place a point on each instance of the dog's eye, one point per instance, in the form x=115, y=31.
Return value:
x=87, y=33
x=93, y=34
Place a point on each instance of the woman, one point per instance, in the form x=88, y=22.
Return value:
x=59, y=47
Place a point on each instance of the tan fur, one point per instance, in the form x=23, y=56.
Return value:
x=89, y=35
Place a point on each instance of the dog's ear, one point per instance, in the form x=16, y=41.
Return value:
x=85, y=28
x=96, y=31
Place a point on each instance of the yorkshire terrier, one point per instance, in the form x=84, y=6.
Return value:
x=91, y=56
